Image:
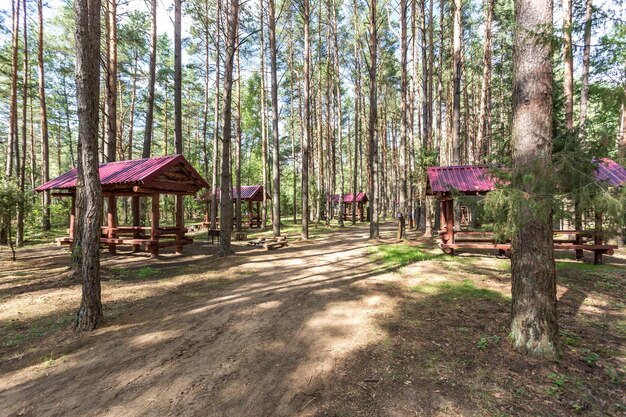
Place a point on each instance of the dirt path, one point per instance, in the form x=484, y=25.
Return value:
x=260, y=337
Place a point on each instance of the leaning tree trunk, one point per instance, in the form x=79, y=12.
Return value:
x=90, y=193
x=275, y=136
x=226, y=204
x=534, y=326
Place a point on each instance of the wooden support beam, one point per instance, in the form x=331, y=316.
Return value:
x=169, y=187
x=111, y=220
x=180, y=219
x=135, y=208
x=598, y=238
x=154, y=224
x=72, y=216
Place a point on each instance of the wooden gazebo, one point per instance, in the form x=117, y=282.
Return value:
x=348, y=201
x=150, y=177
x=446, y=181
x=251, y=196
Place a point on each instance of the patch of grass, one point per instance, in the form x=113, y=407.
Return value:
x=123, y=274
x=399, y=255
x=465, y=289
x=19, y=333
x=558, y=382
x=484, y=342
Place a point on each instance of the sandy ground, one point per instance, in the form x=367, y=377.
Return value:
x=319, y=328
x=255, y=335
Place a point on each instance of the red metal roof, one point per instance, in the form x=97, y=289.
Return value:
x=462, y=178
x=248, y=193
x=135, y=171
x=611, y=172
x=361, y=197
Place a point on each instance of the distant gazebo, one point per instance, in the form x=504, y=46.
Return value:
x=150, y=177
x=251, y=197
x=349, y=200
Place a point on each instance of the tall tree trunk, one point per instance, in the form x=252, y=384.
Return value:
x=88, y=188
x=456, y=80
x=238, y=147
x=19, y=236
x=404, y=108
x=178, y=102
x=263, y=118
x=373, y=122
x=357, y=102
x=568, y=60
x=584, y=90
x=484, y=123
x=337, y=71
x=147, y=137
x=226, y=201
x=306, y=17
x=275, y=136
x=45, y=146
x=111, y=81
x=205, y=112
x=218, y=14
x=133, y=99
x=13, y=135
x=534, y=326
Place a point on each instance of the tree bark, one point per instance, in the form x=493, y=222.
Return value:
x=373, y=123
x=147, y=137
x=357, y=102
x=89, y=191
x=238, y=148
x=11, y=158
x=178, y=102
x=533, y=309
x=226, y=201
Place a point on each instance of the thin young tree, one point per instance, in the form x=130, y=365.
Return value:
x=275, y=135
x=226, y=199
x=534, y=326
x=89, y=190
x=373, y=121
x=13, y=134
x=306, y=17
x=147, y=137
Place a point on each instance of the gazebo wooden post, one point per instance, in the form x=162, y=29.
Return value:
x=154, y=226
x=258, y=211
x=250, y=213
x=598, y=238
x=111, y=219
x=72, y=219
x=134, y=203
x=180, y=211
